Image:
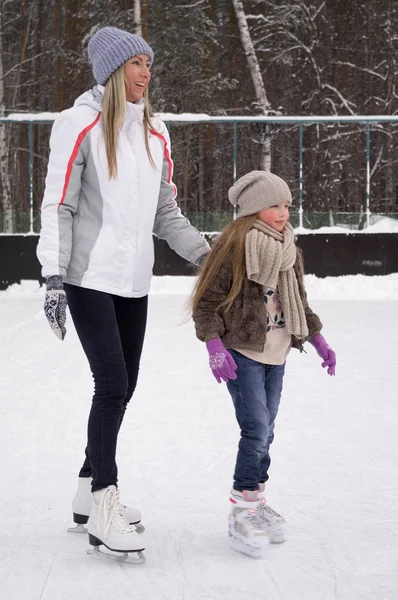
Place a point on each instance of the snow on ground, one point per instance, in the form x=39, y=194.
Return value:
x=378, y=224
x=334, y=472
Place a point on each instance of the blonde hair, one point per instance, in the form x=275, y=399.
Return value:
x=228, y=247
x=113, y=113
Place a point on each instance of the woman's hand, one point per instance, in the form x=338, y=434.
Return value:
x=55, y=304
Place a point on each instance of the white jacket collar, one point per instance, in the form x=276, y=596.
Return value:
x=135, y=111
x=93, y=98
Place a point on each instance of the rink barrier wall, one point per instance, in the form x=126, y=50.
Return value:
x=324, y=254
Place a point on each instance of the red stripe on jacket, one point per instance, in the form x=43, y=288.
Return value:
x=167, y=157
x=75, y=150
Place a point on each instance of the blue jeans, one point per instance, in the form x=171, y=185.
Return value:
x=256, y=395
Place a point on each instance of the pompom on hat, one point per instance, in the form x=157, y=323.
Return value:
x=110, y=47
x=258, y=190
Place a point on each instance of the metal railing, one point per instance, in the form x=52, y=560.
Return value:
x=366, y=121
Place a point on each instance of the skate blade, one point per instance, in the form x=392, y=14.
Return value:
x=139, y=527
x=77, y=529
x=135, y=558
x=276, y=534
x=276, y=538
x=253, y=550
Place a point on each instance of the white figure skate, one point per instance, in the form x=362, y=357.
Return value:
x=272, y=522
x=246, y=533
x=82, y=503
x=107, y=527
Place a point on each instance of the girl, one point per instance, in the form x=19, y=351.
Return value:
x=250, y=307
x=108, y=188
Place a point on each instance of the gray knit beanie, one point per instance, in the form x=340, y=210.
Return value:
x=110, y=47
x=258, y=190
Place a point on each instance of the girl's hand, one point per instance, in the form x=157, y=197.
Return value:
x=325, y=352
x=221, y=362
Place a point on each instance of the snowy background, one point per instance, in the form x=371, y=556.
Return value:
x=334, y=472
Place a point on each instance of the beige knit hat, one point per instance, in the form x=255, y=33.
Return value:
x=258, y=190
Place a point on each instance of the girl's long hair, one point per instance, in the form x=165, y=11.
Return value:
x=113, y=113
x=229, y=246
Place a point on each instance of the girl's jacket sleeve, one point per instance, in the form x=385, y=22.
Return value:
x=170, y=224
x=61, y=196
x=209, y=322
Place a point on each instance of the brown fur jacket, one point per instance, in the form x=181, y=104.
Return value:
x=244, y=325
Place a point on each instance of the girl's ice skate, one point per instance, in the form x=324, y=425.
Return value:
x=246, y=533
x=107, y=527
x=82, y=503
x=272, y=522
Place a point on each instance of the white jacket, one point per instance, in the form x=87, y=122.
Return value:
x=96, y=231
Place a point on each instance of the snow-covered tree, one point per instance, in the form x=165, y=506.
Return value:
x=7, y=203
x=257, y=78
x=221, y=57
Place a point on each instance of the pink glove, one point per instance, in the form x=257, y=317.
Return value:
x=221, y=362
x=325, y=352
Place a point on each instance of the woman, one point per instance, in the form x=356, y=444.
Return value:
x=108, y=188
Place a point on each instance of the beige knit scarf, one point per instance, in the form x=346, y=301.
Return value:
x=270, y=257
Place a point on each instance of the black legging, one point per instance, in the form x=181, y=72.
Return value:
x=111, y=330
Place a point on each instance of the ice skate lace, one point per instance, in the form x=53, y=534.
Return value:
x=253, y=518
x=110, y=513
x=271, y=512
x=121, y=506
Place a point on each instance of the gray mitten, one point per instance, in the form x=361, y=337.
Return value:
x=55, y=304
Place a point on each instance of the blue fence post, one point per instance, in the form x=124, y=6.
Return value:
x=301, y=176
x=301, y=121
x=31, y=177
x=367, y=173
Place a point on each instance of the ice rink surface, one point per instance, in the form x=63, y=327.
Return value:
x=334, y=473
